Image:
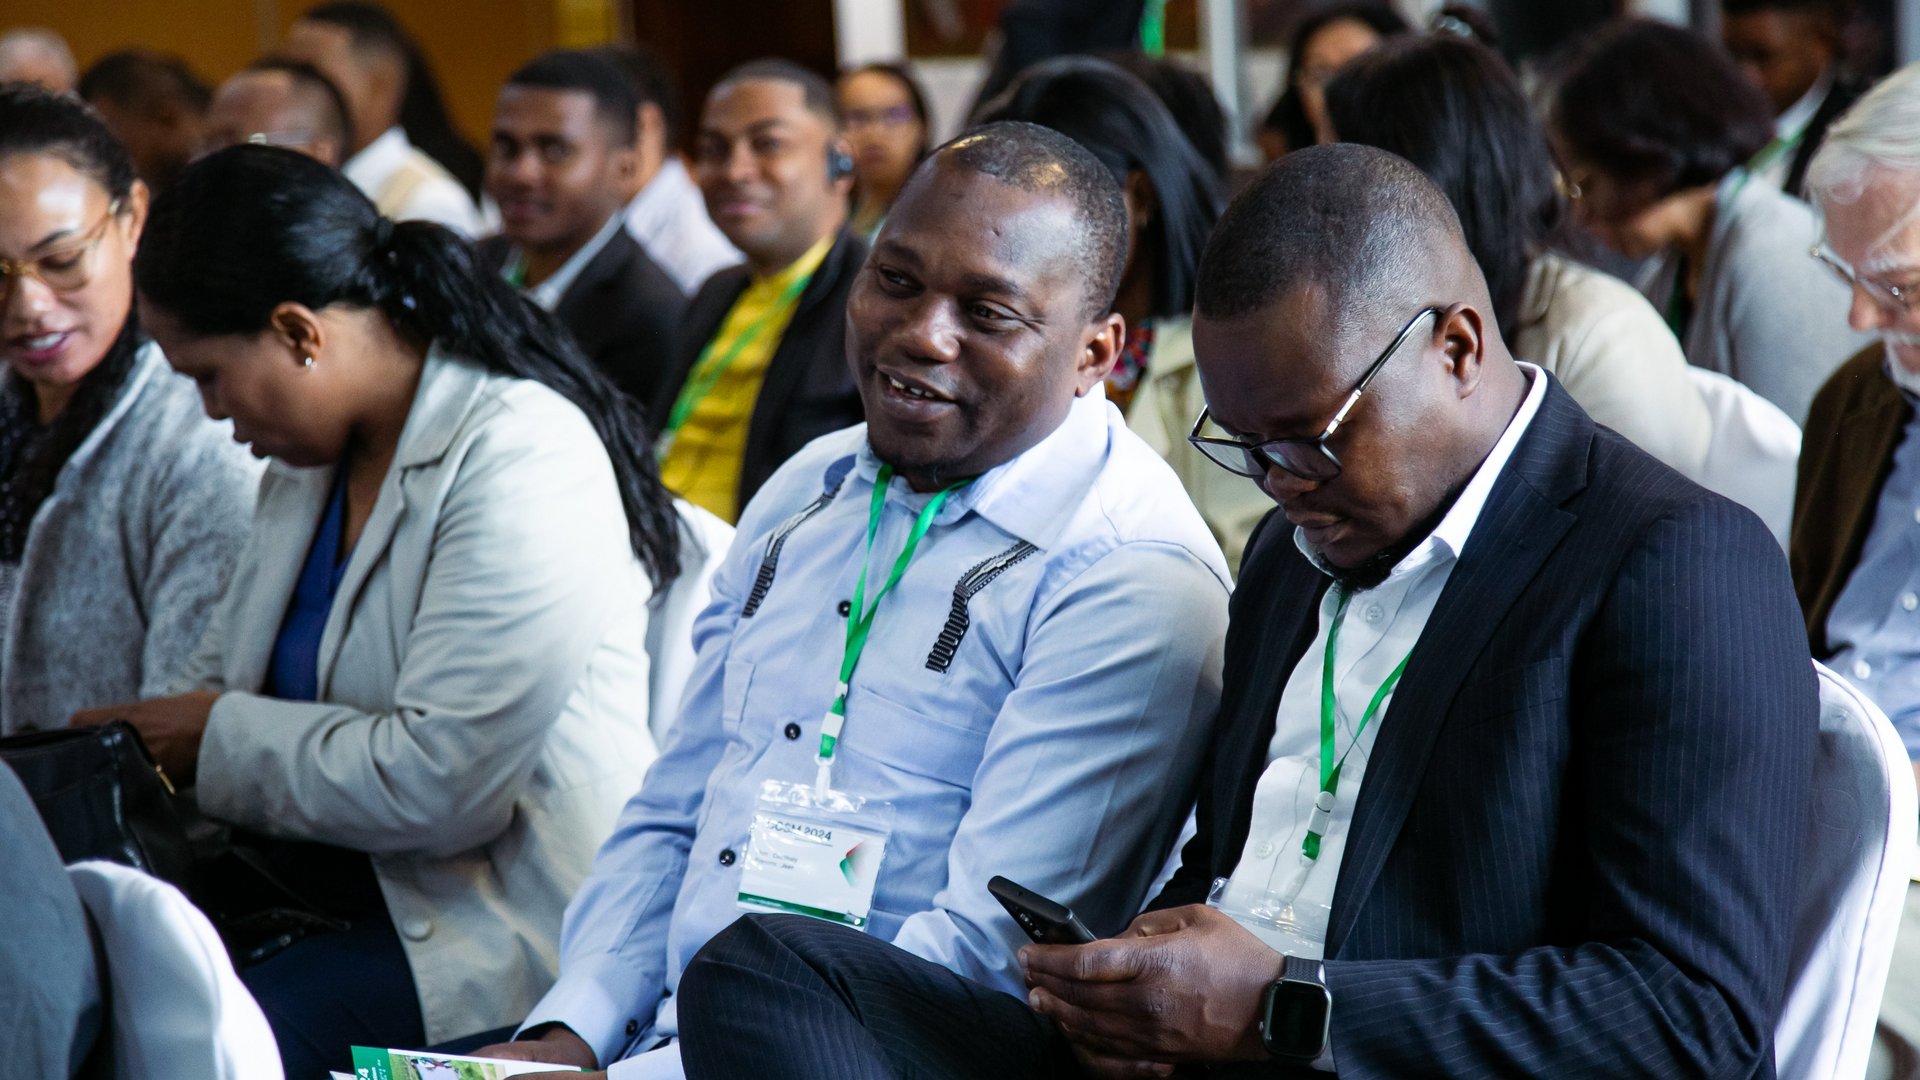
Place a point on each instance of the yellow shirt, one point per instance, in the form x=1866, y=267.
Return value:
x=703, y=463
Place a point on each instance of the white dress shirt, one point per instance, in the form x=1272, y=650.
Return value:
x=407, y=185
x=1791, y=126
x=1381, y=627
x=669, y=219
x=547, y=294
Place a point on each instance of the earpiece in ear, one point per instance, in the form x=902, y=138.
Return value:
x=839, y=164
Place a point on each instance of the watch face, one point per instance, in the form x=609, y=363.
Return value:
x=1297, y=1019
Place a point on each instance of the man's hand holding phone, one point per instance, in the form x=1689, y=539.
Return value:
x=1179, y=986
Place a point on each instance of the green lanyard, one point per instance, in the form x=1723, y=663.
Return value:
x=516, y=271
x=1781, y=146
x=1322, y=815
x=860, y=621
x=708, y=369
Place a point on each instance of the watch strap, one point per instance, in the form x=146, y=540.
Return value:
x=1301, y=969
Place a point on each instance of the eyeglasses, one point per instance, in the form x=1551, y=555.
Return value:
x=1308, y=459
x=64, y=269
x=1899, y=298
x=891, y=116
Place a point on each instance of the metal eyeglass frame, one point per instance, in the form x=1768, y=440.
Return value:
x=1315, y=461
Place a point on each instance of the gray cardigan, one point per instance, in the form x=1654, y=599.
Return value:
x=125, y=560
x=1768, y=313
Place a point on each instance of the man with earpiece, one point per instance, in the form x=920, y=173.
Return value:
x=760, y=368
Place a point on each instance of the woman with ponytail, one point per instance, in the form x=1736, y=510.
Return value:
x=433, y=653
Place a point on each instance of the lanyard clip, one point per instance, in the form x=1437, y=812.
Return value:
x=831, y=725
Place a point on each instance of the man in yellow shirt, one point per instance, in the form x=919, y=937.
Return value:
x=760, y=369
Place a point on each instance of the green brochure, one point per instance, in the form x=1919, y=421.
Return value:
x=372, y=1064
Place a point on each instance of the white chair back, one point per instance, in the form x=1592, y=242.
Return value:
x=1855, y=859
x=704, y=540
x=1754, y=451
x=176, y=1008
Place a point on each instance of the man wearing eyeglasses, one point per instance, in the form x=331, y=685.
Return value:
x=1507, y=777
x=1856, y=510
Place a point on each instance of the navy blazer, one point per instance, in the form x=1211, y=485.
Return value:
x=1575, y=846
x=621, y=310
x=808, y=390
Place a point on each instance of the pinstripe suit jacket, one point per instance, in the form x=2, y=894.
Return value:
x=1575, y=848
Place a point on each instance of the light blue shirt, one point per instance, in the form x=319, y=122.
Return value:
x=1034, y=701
x=1875, y=623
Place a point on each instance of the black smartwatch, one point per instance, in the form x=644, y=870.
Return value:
x=1298, y=1008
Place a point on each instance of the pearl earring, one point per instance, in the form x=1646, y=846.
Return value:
x=306, y=362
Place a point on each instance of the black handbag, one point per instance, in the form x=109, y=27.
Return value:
x=103, y=796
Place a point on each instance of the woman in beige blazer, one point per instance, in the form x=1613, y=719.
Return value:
x=427, y=684
x=1453, y=107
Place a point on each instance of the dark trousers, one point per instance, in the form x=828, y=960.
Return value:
x=787, y=996
x=338, y=990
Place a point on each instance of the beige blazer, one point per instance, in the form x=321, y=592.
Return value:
x=1615, y=355
x=1164, y=408
x=483, y=685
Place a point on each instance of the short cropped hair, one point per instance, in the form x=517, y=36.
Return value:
x=1037, y=159
x=815, y=90
x=1354, y=221
x=651, y=82
x=1881, y=131
x=1654, y=104
x=580, y=71
x=336, y=119
x=1120, y=121
x=1454, y=108
x=136, y=78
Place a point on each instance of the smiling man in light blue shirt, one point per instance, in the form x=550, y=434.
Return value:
x=1039, y=686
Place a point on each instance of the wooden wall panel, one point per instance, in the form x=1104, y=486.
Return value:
x=472, y=44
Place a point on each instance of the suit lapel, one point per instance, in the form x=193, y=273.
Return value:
x=1284, y=625
x=784, y=372
x=1518, y=528
x=299, y=497
x=447, y=392
x=576, y=306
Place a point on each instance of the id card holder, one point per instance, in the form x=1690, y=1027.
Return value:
x=815, y=854
x=1286, y=924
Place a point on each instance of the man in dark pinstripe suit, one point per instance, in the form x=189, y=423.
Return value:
x=1560, y=706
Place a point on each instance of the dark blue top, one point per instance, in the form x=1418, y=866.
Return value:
x=294, y=672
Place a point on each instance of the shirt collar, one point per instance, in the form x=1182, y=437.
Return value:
x=1449, y=538
x=1025, y=497
x=379, y=159
x=1790, y=124
x=548, y=293
x=798, y=268
x=663, y=196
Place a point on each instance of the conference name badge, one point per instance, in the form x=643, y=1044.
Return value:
x=814, y=853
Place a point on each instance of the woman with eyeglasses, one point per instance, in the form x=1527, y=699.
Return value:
x=1654, y=126
x=885, y=115
x=122, y=507
x=426, y=692
x=1454, y=108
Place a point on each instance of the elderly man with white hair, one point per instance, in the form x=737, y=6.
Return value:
x=38, y=56
x=1856, y=521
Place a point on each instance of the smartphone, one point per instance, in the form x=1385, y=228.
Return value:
x=1044, y=921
